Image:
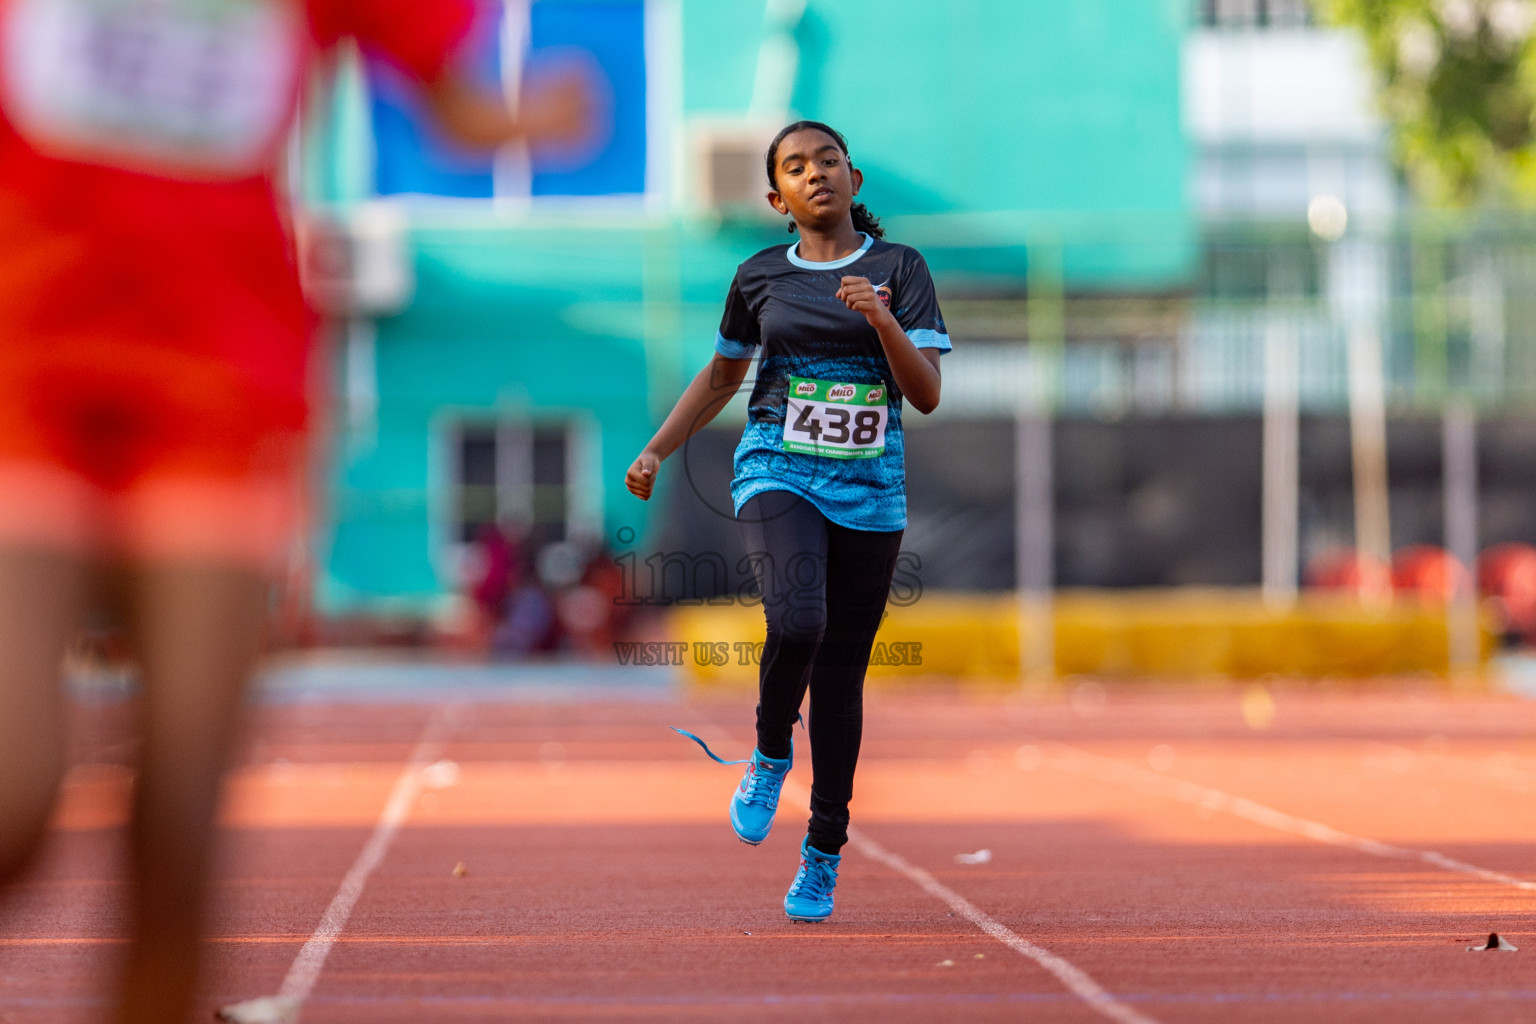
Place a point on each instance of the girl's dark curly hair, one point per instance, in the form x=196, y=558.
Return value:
x=863, y=220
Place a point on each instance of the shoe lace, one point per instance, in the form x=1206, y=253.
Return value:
x=763, y=787
x=815, y=880
x=720, y=760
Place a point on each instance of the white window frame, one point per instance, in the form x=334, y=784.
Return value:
x=511, y=179
x=584, y=489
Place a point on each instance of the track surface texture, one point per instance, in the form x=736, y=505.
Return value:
x=1156, y=854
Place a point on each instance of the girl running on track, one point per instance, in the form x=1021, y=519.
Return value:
x=847, y=330
x=153, y=360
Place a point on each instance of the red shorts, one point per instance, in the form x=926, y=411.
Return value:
x=144, y=458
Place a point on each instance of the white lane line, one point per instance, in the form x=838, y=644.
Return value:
x=1142, y=780
x=300, y=980
x=1074, y=978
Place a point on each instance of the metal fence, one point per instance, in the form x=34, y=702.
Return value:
x=1452, y=303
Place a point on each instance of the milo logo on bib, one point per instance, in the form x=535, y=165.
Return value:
x=835, y=420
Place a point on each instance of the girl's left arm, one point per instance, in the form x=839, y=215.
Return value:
x=916, y=369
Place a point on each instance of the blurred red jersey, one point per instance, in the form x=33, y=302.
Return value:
x=153, y=338
x=138, y=214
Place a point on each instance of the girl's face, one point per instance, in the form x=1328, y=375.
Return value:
x=816, y=183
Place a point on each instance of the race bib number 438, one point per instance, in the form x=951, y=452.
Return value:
x=835, y=421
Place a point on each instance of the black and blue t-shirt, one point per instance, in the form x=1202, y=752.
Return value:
x=788, y=308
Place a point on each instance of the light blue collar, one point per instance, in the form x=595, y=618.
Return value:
x=794, y=256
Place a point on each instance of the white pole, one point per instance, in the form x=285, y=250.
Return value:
x=1487, y=321
x=1034, y=488
x=1368, y=444
x=778, y=59
x=1034, y=540
x=1281, y=463
x=1459, y=443
x=362, y=382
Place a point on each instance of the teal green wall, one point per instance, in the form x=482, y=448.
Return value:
x=532, y=321
x=989, y=131
x=1037, y=107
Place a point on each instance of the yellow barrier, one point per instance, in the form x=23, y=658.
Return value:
x=1173, y=634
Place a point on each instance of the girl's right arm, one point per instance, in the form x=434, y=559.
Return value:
x=701, y=402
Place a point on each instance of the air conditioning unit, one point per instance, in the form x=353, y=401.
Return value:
x=356, y=263
x=728, y=157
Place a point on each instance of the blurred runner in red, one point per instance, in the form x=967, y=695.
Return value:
x=153, y=349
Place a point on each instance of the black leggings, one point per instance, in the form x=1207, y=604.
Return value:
x=824, y=588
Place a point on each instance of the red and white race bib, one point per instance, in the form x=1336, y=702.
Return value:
x=198, y=88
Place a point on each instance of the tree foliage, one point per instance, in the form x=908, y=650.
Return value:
x=1458, y=85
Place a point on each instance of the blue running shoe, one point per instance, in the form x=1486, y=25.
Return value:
x=757, y=798
x=810, y=895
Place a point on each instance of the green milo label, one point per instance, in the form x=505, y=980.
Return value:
x=835, y=420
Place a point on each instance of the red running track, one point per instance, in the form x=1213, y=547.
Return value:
x=1155, y=856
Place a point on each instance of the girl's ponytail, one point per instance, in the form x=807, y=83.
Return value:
x=866, y=222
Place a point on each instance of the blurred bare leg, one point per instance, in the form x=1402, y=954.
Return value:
x=41, y=599
x=197, y=631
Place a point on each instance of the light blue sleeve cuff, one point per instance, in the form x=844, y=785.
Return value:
x=930, y=339
x=733, y=349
